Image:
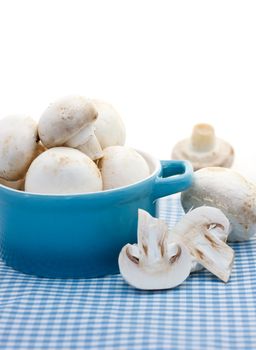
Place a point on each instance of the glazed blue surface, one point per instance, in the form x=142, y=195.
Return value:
x=80, y=235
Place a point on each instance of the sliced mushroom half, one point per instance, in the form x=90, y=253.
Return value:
x=154, y=263
x=202, y=231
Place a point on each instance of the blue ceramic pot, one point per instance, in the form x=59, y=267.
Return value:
x=81, y=235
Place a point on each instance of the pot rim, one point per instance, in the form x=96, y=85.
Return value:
x=153, y=163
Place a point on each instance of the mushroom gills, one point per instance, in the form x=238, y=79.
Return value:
x=202, y=231
x=154, y=263
x=218, y=231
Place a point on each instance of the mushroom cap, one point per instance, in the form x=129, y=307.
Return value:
x=64, y=118
x=154, y=263
x=86, y=142
x=231, y=193
x=109, y=127
x=122, y=166
x=204, y=149
x=18, y=146
x=63, y=170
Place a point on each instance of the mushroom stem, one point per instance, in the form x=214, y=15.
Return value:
x=154, y=263
x=152, y=245
x=203, y=138
x=86, y=142
x=204, y=149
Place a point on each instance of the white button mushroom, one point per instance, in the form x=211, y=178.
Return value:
x=153, y=263
x=203, y=232
x=204, y=149
x=122, y=166
x=109, y=127
x=231, y=193
x=19, y=184
x=18, y=146
x=63, y=170
x=70, y=122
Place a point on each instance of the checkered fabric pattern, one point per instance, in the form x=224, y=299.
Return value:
x=106, y=313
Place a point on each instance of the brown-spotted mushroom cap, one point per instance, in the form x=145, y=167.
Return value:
x=109, y=126
x=122, y=166
x=69, y=122
x=204, y=149
x=63, y=170
x=231, y=193
x=18, y=146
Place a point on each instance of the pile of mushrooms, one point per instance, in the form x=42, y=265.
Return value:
x=76, y=147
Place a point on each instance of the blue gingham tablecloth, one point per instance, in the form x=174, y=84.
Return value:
x=106, y=313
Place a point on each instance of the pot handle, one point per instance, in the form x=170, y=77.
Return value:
x=176, y=176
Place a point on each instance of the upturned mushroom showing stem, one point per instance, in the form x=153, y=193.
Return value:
x=70, y=122
x=154, y=263
x=204, y=149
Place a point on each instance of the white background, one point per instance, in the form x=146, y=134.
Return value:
x=164, y=65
